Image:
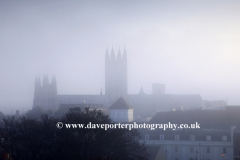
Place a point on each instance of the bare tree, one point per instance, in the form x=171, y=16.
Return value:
x=32, y=139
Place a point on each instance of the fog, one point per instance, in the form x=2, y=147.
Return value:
x=190, y=46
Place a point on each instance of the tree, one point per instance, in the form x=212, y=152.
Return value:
x=98, y=143
x=27, y=138
x=32, y=139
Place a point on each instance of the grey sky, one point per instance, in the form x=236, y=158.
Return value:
x=190, y=46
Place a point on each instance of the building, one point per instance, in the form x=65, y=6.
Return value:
x=121, y=111
x=116, y=86
x=192, y=144
x=216, y=138
x=45, y=95
x=115, y=74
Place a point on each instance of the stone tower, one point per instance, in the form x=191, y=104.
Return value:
x=45, y=95
x=115, y=74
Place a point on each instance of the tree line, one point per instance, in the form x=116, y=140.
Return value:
x=28, y=139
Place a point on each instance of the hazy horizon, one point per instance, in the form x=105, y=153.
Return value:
x=190, y=46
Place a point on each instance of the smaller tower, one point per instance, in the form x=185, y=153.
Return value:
x=45, y=96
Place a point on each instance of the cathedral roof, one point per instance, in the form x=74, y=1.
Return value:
x=121, y=104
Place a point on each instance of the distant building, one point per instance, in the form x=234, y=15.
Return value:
x=121, y=111
x=219, y=104
x=115, y=75
x=116, y=86
x=45, y=95
x=192, y=144
x=217, y=137
x=208, y=119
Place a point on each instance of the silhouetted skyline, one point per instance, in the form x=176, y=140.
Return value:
x=190, y=46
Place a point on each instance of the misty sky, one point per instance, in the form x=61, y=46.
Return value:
x=193, y=47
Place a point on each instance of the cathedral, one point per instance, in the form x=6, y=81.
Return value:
x=116, y=86
x=45, y=95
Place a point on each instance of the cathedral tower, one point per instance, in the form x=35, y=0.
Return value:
x=45, y=96
x=116, y=74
